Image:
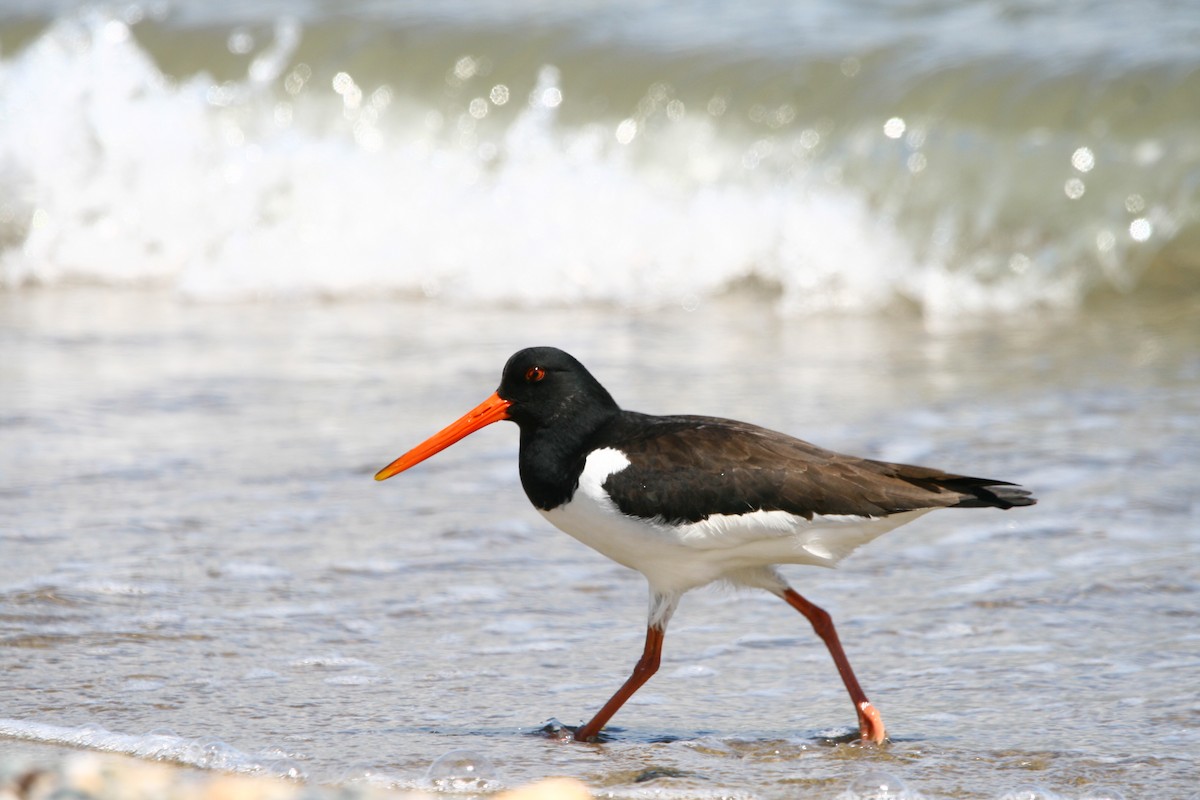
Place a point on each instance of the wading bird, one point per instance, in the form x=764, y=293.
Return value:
x=688, y=500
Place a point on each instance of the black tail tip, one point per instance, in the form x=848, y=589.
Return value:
x=994, y=494
x=1008, y=496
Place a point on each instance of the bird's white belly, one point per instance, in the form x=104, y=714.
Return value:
x=675, y=558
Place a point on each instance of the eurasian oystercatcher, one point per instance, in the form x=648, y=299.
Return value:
x=688, y=500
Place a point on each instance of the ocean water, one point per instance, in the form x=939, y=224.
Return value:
x=962, y=158
x=198, y=566
x=251, y=252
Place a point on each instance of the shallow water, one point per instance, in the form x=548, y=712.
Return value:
x=197, y=565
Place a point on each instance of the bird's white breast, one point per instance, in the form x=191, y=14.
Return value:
x=675, y=558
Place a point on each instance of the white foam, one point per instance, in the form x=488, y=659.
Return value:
x=162, y=746
x=116, y=174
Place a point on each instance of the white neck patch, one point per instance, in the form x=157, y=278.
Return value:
x=600, y=465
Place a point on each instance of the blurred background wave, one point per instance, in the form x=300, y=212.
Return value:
x=956, y=158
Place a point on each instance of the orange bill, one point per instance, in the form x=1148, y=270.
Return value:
x=494, y=409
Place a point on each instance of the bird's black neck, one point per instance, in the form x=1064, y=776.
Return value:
x=552, y=456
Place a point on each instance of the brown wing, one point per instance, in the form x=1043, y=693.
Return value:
x=686, y=468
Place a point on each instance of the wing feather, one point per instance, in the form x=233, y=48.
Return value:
x=687, y=468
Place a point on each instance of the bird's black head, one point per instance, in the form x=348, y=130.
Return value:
x=547, y=387
x=553, y=399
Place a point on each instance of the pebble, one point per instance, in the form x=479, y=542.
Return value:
x=95, y=776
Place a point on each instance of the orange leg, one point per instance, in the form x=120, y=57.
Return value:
x=870, y=723
x=646, y=666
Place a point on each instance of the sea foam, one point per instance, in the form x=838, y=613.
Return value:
x=266, y=186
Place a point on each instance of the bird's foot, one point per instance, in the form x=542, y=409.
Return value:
x=553, y=729
x=585, y=733
x=870, y=724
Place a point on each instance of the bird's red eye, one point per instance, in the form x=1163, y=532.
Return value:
x=534, y=374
